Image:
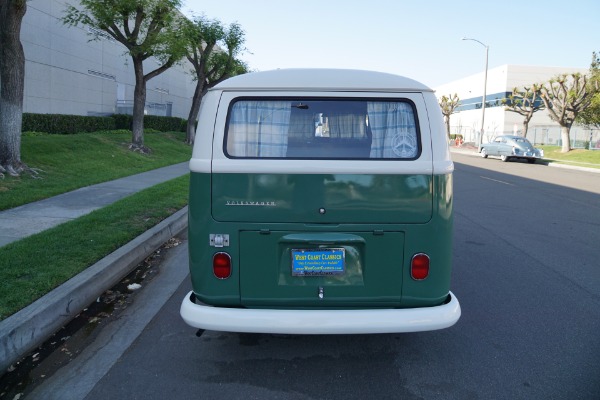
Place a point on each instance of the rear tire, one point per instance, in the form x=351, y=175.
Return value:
x=483, y=152
x=504, y=158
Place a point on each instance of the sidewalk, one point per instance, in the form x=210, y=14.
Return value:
x=32, y=218
x=25, y=330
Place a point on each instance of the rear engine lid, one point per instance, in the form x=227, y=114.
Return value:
x=322, y=198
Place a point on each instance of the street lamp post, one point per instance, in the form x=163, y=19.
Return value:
x=487, y=48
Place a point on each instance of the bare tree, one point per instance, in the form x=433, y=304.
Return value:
x=12, y=80
x=449, y=105
x=525, y=102
x=147, y=29
x=212, y=50
x=565, y=96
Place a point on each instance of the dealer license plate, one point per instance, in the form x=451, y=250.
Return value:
x=318, y=262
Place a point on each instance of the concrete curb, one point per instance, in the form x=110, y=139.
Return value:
x=25, y=330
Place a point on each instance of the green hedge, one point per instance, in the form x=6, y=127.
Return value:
x=65, y=124
x=162, y=124
x=122, y=121
x=71, y=124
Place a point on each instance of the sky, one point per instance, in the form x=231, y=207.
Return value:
x=420, y=39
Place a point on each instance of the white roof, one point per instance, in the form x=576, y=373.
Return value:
x=322, y=79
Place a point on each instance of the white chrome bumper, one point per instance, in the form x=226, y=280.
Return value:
x=320, y=321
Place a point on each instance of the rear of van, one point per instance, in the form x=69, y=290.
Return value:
x=320, y=203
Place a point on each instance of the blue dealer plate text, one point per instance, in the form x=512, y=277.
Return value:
x=318, y=262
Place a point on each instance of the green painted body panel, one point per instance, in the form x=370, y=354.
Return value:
x=345, y=198
x=371, y=277
x=379, y=236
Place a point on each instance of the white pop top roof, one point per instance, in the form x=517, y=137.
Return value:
x=322, y=79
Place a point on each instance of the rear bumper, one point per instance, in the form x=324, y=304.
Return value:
x=537, y=154
x=320, y=321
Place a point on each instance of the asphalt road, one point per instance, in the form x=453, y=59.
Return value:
x=527, y=275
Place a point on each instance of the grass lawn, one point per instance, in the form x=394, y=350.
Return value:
x=579, y=157
x=33, y=266
x=69, y=162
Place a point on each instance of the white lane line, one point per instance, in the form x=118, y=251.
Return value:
x=496, y=180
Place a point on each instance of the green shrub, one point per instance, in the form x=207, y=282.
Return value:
x=122, y=121
x=65, y=124
x=70, y=124
x=163, y=124
x=155, y=122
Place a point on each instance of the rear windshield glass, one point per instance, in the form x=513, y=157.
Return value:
x=322, y=129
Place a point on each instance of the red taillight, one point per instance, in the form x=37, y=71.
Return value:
x=222, y=265
x=419, y=266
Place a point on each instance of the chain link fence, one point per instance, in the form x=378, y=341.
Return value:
x=150, y=108
x=581, y=138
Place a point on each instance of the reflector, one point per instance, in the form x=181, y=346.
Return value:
x=222, y=265
x=419, y=266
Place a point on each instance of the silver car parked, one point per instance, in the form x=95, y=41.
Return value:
x=511, y=147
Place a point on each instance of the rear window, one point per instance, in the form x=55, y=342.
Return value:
x=322, y=129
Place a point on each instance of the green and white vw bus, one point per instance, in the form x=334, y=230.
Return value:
x=320, y=203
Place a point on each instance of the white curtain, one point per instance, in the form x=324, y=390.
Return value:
x=258, y=128
x=302, y=125
x=347, y=126
x=393, y=129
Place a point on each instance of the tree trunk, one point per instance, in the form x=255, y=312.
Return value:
x=12, y=80
x=193, y=116
x=447, y=120
x=566, y=139
x=525, y=128
x=139, y=103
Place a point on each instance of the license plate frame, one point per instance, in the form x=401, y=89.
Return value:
x=329, y=261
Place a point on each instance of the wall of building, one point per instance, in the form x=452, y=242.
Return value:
x=500, y=83
x=66, y=73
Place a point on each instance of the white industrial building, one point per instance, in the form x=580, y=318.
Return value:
x=67, y=73
x=500, y=83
